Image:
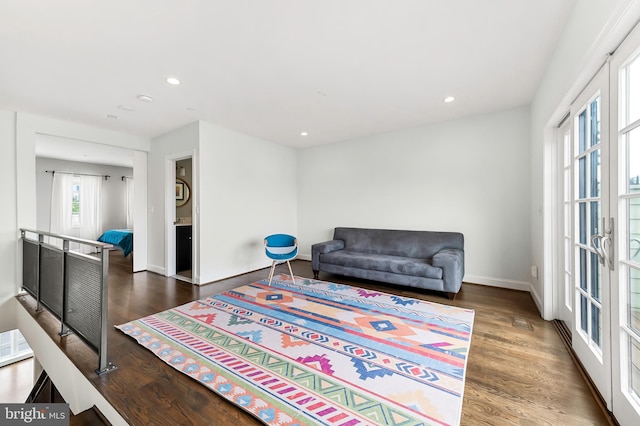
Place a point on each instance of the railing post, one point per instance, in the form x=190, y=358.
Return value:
x=38, y=284
x=103, y=365
x=64, y=330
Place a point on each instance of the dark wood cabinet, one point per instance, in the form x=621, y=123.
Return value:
x=183, y=248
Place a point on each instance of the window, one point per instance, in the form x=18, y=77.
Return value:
x=13, y=347
x=76, y=208
x=75, y=204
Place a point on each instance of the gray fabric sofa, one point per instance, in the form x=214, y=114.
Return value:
x=424, y=259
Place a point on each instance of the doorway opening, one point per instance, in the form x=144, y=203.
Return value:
x=184, y=219
x=181, y=212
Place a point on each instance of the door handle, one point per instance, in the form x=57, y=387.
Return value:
x=598, y=248
x=603, y=244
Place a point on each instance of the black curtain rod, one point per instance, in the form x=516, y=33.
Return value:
x=53, y=172
x=126, y=177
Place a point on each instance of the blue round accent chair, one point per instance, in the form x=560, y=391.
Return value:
x=280, y=248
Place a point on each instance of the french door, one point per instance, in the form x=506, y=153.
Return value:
x=590, y=226
x=599, y=191
x=625, y=207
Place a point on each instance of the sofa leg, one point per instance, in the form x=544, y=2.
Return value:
x=315, y=274
x=451, y=296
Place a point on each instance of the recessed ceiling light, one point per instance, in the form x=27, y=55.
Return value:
x=173, y=80
x=126, y=107
x=145, y=98
x=304, y=134
x=449, y=99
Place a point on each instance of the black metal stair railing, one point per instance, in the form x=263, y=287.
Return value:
x=71, y=285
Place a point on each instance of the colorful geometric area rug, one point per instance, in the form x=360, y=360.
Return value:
x=316, y=352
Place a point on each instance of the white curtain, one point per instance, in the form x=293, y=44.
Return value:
x=89, y=225
x=61, y=199
x=129, y=202
x=90, y=207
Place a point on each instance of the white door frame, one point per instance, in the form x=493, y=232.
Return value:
x=170, y=214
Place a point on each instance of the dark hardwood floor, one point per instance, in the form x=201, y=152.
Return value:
x=518, y=371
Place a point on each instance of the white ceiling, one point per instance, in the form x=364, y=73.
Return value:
x=337, y=69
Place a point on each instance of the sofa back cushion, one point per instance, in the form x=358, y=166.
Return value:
x=414, y=244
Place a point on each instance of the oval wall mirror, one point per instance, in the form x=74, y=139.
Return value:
x=182, y=192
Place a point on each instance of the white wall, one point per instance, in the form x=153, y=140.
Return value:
x=595, y=28
x=114, y=213
x=469, y=175
x=8, y=229
x=248, y=191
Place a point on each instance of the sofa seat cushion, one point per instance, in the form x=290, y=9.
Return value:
x=383, y=263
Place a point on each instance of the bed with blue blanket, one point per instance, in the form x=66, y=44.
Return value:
x=122, y=238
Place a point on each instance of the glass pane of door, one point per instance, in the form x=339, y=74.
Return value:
x=588, y=222
x=634, y=382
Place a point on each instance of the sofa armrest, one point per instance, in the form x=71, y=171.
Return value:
x=322, y=248
x=452, y=263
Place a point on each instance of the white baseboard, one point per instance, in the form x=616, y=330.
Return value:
x=304, y=257
x=497, y=282
x=157, y=269
x=537, y=300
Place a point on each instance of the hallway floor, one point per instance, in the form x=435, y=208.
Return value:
x=17, y=381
